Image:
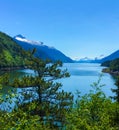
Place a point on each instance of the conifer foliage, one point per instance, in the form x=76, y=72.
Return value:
x=47, y=99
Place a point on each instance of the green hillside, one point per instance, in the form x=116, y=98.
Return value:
x=113, y=66
x=11, y=54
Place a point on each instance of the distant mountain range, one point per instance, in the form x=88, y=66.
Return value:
x=85, y=60
x=89, y=60
x=12, y=53
x=46, y=52
x=100, y=59
x=42, y=51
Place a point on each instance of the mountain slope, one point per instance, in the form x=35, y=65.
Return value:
x=11, y=54
x=43, y=51
x=112, y=56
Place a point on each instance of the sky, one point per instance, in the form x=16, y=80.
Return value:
x=78, y=28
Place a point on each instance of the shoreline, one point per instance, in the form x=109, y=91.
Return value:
x=113, y=73
x=12, y=68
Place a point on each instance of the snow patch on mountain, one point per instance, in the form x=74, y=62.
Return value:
x=37, y=43
x=23, y=39
x=43, y=51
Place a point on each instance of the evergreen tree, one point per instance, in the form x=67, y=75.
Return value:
x=47, y=100
x=93, y=111
x=116, y=91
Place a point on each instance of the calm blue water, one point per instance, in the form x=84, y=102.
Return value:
x=82, y=76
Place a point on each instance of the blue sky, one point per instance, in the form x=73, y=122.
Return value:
x=78, y=28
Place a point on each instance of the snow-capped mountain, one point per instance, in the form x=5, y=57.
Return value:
x=23, y=39
x=91, y=60
x=42, y=51
x=85, y=59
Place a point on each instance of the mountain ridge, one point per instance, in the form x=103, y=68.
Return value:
x=110, y=57
x=42, y=51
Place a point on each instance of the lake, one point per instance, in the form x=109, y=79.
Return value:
x=82, y=76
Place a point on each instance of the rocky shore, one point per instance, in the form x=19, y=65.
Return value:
x=107, y=70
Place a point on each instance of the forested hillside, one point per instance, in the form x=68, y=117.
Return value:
x=11, y=54
x=43, y=104
x=113, y=66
